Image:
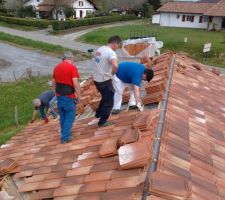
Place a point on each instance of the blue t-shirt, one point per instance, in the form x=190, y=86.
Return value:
x=130, y=72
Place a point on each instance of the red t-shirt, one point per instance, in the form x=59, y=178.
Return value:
x=64, y=72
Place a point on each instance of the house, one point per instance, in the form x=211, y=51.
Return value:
x=204, y=15
x=55, y=9
x=83, y=7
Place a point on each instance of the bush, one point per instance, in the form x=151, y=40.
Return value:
x=26, y=11
x=26, y=22
x=61, y=25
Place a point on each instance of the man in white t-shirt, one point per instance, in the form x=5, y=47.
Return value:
x=106, y=65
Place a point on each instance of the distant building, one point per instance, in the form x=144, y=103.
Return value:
x=205, y=15
x=47, y=8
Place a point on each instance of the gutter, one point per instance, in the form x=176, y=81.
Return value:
x=159, y=130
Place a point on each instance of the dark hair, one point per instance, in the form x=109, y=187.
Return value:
x=115, y=39
x=149, y=74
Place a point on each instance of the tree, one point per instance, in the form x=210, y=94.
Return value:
x=147, y=10
x=69, y=12
x=155, y=4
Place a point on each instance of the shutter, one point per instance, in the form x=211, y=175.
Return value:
x=183, y=18
x=200, y=19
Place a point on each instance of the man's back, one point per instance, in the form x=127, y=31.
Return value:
x=103, y=66
x=130, y=72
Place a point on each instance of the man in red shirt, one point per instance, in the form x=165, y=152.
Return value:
x=67, y=88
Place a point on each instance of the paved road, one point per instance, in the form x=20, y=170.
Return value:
x=39, y=36
x=18, y=60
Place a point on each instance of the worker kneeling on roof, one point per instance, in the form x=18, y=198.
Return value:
x=130, y=75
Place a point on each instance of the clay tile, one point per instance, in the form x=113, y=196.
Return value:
x=129, y=136
x=79, y=171
x=108, y=148
x=67, y=190
x=134, y=155
x=169, y=186
x=216, y=71
x=98, y=186
x=99, y=176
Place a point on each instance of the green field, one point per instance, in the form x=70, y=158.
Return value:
x=18, y=94
x=173, y=39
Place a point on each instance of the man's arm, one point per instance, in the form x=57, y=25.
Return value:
x=34, y=115
x=53, y=84
x=115, y=65
x=137, y=98
x=76, y=85
x=137, y=94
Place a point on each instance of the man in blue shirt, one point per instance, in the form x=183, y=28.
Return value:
x=45, y=101
x=130, y=74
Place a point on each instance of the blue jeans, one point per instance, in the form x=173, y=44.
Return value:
x=106, y=104
x=67, y=112
x=51, y=106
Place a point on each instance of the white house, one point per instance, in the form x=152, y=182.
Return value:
x=83, y=7
x=193, y=15
x=47, y=8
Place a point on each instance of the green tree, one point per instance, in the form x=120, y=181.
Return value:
x=69, y=12
x=147, y=10
x=155, y=3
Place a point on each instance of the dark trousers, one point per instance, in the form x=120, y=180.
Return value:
x=106, y=104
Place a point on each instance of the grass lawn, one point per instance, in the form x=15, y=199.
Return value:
x=56, y=50
x=172, y=37
x=18, y=94
x=18, y=27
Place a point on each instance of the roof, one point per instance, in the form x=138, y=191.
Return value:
x=95, y=166
x=217, y=10
x=44, y=8
x=186, y=7
x=193, y=142
x=209, y=8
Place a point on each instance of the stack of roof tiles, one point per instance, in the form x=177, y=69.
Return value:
x=155, y=89
x=111, y=162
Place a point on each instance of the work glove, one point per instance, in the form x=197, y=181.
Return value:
x=140, y=107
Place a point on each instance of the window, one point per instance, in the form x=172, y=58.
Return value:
x=178, y=16
x=183, y=18
x=190, y=18
x=210, y=19
x=200, y=19
x=81, y=3
x=205, y=19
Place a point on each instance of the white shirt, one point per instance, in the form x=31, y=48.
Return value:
x=103, y=64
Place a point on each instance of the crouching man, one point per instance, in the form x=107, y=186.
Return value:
x=130, y=75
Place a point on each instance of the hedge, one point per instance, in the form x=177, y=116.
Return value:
x=26, y=22
x=62, y=25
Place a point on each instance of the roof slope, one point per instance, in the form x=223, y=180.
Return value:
x=186, y=7
x=192, y=146
x=217, y=10
x=193, y=143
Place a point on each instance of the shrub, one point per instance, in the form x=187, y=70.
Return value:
x=61, y=25
x=26, y=22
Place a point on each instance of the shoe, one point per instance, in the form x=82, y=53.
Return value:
x=67, y=141
x=106, y=124
x=116, y=111
x=93, y=122
x=55, y=118
x=132, y=107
